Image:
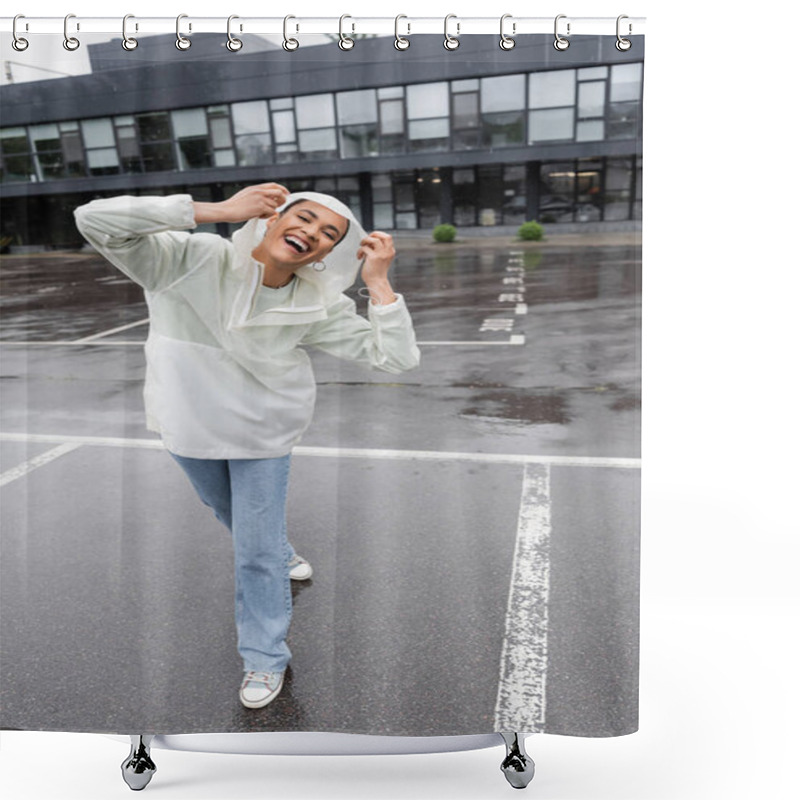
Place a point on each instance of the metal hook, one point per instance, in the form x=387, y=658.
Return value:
x=19, y=44
x=182, y=43
x=128, y=42
x=70, y=42
x=623, y=44
x=400, y=42
x=233, y=44
x=506, y=42
x=451, y=42
x=289, y=44
x=561, y=43
x=345, y=42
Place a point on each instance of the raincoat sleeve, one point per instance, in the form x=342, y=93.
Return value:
x=145, y=237
x=385, y=341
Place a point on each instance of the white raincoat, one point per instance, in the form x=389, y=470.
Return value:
x=226, y=377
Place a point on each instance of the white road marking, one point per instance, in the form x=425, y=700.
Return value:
x=352, y=452
x=113, y=330
x=521, y=693
x=37, y=461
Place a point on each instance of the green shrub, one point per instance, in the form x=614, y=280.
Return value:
x=531, y=231
x=444, y=233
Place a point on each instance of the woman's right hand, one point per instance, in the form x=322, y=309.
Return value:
x=259, y=201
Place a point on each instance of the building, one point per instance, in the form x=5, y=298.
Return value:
x=478, y=137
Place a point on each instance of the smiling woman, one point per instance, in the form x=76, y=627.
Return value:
x=227, y=385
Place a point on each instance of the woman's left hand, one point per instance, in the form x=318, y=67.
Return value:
x=378, y=252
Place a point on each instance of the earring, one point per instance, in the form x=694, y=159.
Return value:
x=319, y=266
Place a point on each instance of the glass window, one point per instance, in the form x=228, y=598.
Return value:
x=470, y=85
x=315, y=111
x=357, y=107
x=503, y=130
x=551, y=89
x=428, y=129
x=556, y=192
x=427, y=100
x=391, y=117
x=359, y=140
x=250, y=117
x=382, y=216
x=590, y=131
x=189, y=122
x=618, y=189
x=220, y=132
x=428, y=195
x=591, y=99
x=320, y=142
x=390, y=93
x=514, y=199
x=224, y=158
x=284, y=126
x=281, y=103
x=103, y=161
x=592, y=73
x=255, y=148
x=158, y=156
x=98, y=132
x=153, y=127
x=381, y=187
x=551, y=125
x=286, y=154
x=465, y=110
x=626, y=80
x=128, y=148
x=465, y=196
x=505, y=93
x=623, y=120
x=72, y=148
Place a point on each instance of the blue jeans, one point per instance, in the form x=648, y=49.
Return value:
x=248, y=496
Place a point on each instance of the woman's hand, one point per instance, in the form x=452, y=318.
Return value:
x=378, y=252
x=253, y=201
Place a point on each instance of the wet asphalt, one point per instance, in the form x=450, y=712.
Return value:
x=116, y=585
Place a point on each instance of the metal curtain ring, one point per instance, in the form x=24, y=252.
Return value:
x=345, y=42
x=289, y=44
x=451, y=42
x=233, y=44
x=182, y=43
x=506, y=42
x=561, y=43
x=400, y=42
x=128, y=42
x=19, y=44
x=70, y=42
x=623, y=44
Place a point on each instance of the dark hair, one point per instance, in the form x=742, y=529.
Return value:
x=306, y=200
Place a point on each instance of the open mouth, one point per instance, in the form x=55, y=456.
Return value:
x=297, y=244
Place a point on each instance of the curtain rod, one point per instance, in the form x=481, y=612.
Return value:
x=347, y=25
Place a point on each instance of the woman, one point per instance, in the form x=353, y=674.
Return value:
x=228, y=386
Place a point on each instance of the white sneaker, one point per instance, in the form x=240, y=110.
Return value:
x=260, y=688
x=299, y=568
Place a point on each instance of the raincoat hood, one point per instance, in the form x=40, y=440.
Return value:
x=313, y=290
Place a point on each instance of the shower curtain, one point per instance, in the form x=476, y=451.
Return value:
x=472, y=523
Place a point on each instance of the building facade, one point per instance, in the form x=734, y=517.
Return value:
x=477, y=137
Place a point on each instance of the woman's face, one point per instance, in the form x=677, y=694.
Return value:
x=305, y=233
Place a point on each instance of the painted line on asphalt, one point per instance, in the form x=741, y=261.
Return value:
x=121, y=328
x=351, y=452
x=521, y=693
x=37, y=461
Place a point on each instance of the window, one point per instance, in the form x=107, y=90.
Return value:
x=591, y=110
x=316, y=127
x=619, y=181
x=623, y=109
x=284, y=130
x=16, y=155
x=192, y=138
x=551, y=100
x=466, y=115
x=382, y=207
x=358, y=123
x=58, y=151
x=155, y=137
x=465, y=196
x=221, y=136
x=392, y=122
x=252, y=133
x=101, y=148
x=428, y=116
